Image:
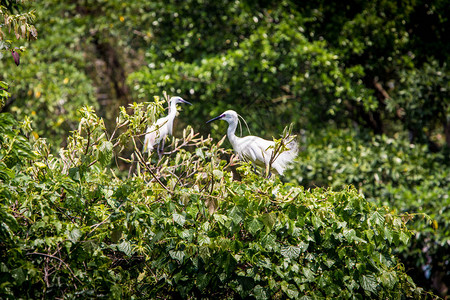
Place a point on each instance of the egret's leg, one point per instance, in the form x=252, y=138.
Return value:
x=161, y=149
x=163, y=142
x=158, y=150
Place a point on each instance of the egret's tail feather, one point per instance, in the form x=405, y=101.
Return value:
x=285, y=159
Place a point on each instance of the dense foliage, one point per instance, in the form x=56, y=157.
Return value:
x=365, y=84
x=71, y=228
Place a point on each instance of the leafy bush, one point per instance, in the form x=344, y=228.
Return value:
x=73, y=227
x=395, y=173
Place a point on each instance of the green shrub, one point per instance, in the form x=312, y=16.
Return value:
x=392, y=172
x=182, y=226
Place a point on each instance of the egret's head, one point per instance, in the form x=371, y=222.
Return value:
x=229, y=116
x=177, y=100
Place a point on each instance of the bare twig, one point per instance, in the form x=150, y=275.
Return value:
x=59, y=259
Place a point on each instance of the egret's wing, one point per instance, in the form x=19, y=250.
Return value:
x=150, y=139
x=154, y=134
x=255, y=149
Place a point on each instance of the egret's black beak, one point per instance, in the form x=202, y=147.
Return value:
x=184, y=101
x=216, y=118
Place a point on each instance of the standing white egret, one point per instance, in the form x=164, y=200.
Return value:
x=255, y=149
x=157, y=133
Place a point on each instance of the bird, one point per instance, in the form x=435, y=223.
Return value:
x=255, y=149
x=157, y=132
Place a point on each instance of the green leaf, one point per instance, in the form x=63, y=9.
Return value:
x=309, y=275
x=269, y=220
x=221, y=219
x=404, y=237
x=105, y=153
x=236, y=215
x=269, y=241
x=204, y=240
x=388, y=234
x=75, y=235
x=125, y=247
x=376, y=218
x=178, y=255
x=254, y=226
x=291, y=252
x=369, y=283
x=179, y=219
x=18, y=275
x=389, y=279
x=349, y=234
x=259, y=292
x=203, y=280
x=290, y=290
x=317, y=222
x=116, y=234
x=74, y=174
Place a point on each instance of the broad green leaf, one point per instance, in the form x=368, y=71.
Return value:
x=389, y=279
x=303, y=246
x=19, y=276
x=202, y=280
x=105, y=153
x=309, y=275
x=236, y=215
x=376, y=218
x=179, y=219
x=75, y=235
x=125, y=247
x=259, y=292
x=291, y=252
x=291, y=291
x=316, y=221
x=269, y=220
x=349, y=234
x=369, y=283
x=388, y=234
x=74, y=174
x=178, y=255
x=404, y=237
x=269, y=241
x=221, y=219
x=254, y=226
x=204, y=240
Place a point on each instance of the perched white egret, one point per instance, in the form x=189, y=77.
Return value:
x=157, y=133
x=255, y=149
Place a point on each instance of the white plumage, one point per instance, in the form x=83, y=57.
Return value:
x=255, y=149
x=157, y=132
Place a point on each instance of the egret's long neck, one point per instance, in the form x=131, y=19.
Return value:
x=232, y=125
x=171, y=116
x=172, y=109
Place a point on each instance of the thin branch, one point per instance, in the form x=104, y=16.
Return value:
x=142, y=161
x=59, y=259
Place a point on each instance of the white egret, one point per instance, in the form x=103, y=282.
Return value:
x=157, y=133
x=255, y=149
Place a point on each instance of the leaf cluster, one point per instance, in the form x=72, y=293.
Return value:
x=391, y=172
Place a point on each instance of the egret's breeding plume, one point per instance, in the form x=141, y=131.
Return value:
x=255, y=149
x=157, y=132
